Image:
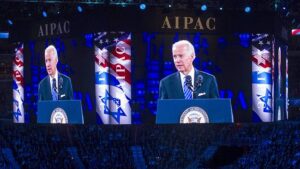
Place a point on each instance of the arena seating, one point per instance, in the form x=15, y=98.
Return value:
x=260, y=145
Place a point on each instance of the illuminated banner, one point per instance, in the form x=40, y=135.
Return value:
x=113, y=77
x=295, y=32
x=262, y=77
x=53, y=28
x=18, y=85
x=189, y=23
x=150, y=20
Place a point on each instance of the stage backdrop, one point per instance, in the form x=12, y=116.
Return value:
x=115, y=60
x=225, y=56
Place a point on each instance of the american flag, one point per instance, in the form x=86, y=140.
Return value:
x=18, y=85
x=113, y=77
x=262, y=77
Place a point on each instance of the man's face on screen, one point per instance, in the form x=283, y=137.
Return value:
x=182, y=58
x=50, y=62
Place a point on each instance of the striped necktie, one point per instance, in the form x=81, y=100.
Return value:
x=188, y=94
x=54, y=90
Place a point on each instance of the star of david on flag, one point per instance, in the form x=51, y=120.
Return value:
x=266, y=100
x=107, y=101
x=113, y=77
x=262, y=77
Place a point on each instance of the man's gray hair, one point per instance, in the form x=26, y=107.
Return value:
x=190, y=48
x=51, y=48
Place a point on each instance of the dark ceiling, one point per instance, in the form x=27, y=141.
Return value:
x=16, y=9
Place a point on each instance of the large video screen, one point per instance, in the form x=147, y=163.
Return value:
x=116, y=74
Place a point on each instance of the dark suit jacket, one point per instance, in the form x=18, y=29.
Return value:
x=170, y=87
x=65, y=90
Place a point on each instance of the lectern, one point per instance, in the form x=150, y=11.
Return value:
x=194, y=111
x=61, y=111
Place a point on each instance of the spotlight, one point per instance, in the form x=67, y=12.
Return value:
x=203, y=7
x=247, y=9
x=79, y=8
x=221, y=8
x=275, y=6
x=10, y=22
x=143, y=6
x=44, y=14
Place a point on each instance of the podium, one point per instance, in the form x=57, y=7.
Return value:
x=194, y=111
x=61, y=111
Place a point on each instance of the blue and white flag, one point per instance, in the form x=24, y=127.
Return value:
x=262, y=77
x=113, y=77
x=18, y=85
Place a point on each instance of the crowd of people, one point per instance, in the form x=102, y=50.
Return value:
x=261, y=145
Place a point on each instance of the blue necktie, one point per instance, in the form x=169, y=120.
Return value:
x=188, y=94
x=54, y=90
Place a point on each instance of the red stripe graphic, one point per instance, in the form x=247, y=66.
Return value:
x=266, y=63
x=120, y=70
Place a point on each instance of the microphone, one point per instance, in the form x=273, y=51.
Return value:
x=199, y=81
x=54, y=85
x=188, y=82
x=60, y=82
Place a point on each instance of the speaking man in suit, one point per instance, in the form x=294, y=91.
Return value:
x=55, y=86
x=188, y=82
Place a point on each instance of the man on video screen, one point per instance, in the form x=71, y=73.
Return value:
x=188, y=82
x=55, y=86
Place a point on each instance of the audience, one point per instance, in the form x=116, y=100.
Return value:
x=262, y=145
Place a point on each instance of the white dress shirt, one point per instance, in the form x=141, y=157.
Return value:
x=56, y=78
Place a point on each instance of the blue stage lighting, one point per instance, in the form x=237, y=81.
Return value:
x=44, y=14
x=143, y=6
x=4, y=35
x=221, y=8
x=247, y=9
x=10, y=22
x=79, y=8
x=203, y=7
